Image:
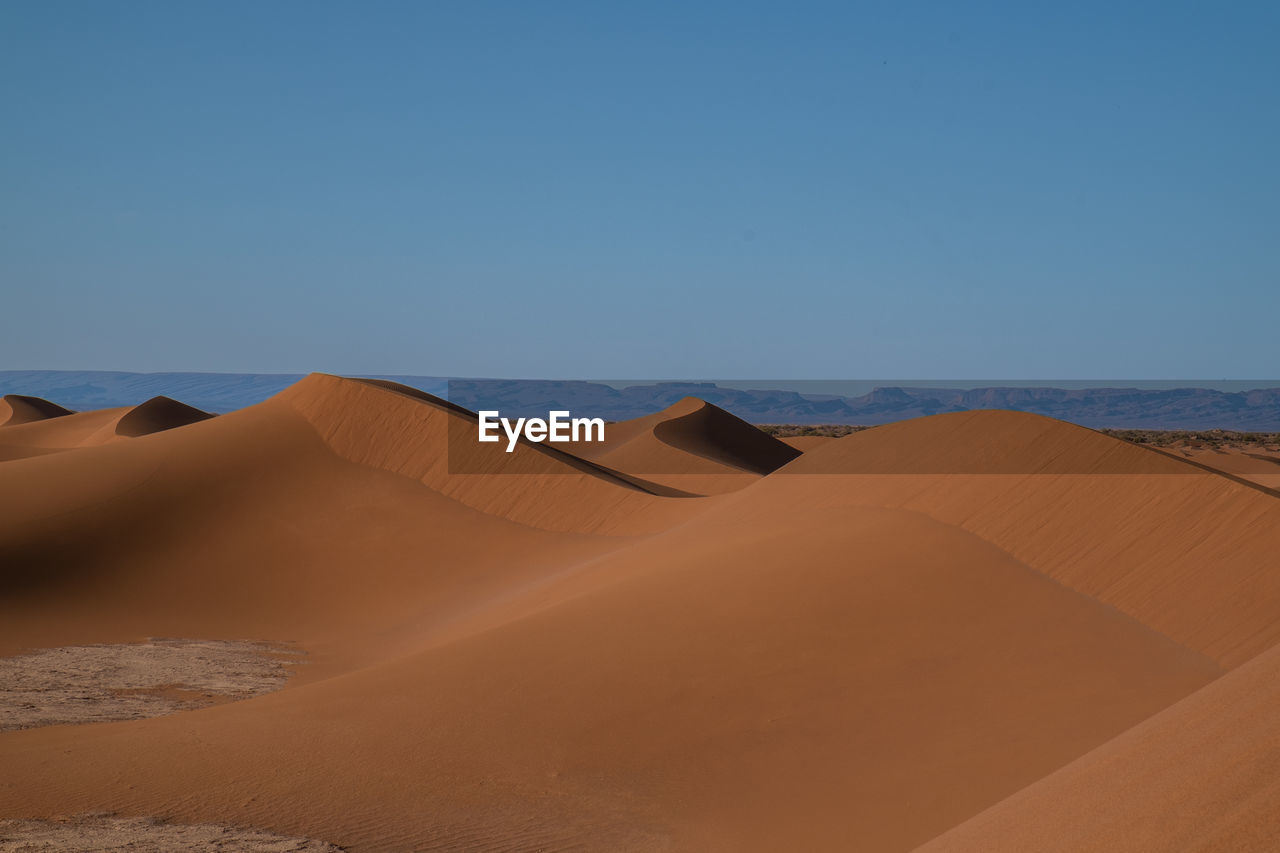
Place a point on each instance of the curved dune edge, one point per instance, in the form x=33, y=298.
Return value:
x=156, y=415
x=1184, y=550
x=712, y=433
x=816, y=661
x=1200, y=775
x=67, y=432
x=710, y=685
x=108, y=834
x=1258, y=471
x=22, y=409
x=133, y=681
x=692, y=445
x=434, y=442
x=467, y=456
x=76, y=430
x=1261, y=466
x=983, y=442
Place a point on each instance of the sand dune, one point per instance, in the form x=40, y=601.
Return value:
x=1127, y=525
x=1200, y=775
x=21, y=409
x=64, y=430
x=1255, y=465
x=668, y=697
x=902, y=635
x=983, y=442
x=68, y=432
x=156, y=415
x=434, y=442
x=691, y=445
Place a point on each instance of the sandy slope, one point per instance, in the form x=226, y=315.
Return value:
x=1256, y=464
x=770, y=696
x=805, y=443
x=860, y=650
x=690, y=445
x=37, y=430
x=21, y=409
x=81, y=429
x=1201, y=775
x=156, y=415
x=1186, y=552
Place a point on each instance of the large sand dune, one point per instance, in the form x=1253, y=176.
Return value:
x=22, y=409
x=1200, y=775
x=1257, y=465
x=38, y=427
x=156, y=415
x=957, y=630
x=691, y=445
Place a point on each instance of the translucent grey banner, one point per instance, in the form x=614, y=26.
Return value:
x=728, y=427
x=1099, y=404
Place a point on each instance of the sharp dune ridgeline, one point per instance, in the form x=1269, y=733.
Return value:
x=38, y=427
x=974, y=631
x=156, y=415
x=22, y=409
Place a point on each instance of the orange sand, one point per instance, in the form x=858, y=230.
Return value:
x=982, y=631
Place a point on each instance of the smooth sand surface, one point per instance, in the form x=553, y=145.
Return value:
x=1257, y=464
x=156, y=415
x=877, y=644
x=691, y=445
x=1201, y=775
x=39, y=430
x=21, y=409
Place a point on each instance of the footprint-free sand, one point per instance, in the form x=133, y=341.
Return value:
x=979, y=631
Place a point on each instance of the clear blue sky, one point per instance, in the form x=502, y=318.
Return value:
x=642, y=190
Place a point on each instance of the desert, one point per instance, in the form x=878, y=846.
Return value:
x=712, y=427
x=337, y=619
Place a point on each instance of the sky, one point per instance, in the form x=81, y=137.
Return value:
x=648, y=190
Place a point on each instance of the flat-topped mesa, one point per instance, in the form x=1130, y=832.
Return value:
x=157, y=415
x=21, y=409
x=989, y=441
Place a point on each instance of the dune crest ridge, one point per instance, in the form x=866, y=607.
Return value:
x=22, y=409
x=1199, y=775
x=983, y=442
x=434, y=442
x=65, y=430
x=863, y=648
x=156, y=415
x=692, y=445
x=1183, y=549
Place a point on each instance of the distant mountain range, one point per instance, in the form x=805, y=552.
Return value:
x=1122, y=408
x=213, y=392
x=1131, y=408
